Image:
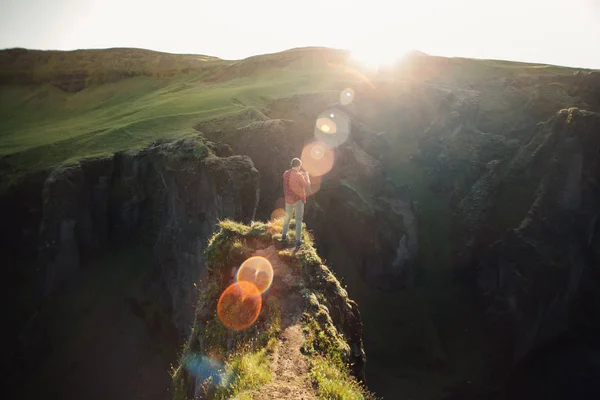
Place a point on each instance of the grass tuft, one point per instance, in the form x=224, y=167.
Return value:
x=333, y=383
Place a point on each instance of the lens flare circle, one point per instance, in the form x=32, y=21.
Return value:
x=326, y=125
x=347, y=96
x=317, y=158
x=317, y=152
x=239, y=305
x=335, y=130
x=258, y=271
x=203, y=367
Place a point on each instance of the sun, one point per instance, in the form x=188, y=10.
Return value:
x=378, y=54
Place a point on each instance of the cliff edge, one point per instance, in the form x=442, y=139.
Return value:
x=305, y=337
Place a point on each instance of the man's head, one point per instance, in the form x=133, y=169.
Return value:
x=296, y=164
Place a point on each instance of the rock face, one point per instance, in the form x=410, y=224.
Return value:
x=378, y=232
x=175, y=193
x=171, y=194
x=506, y=195
x=168, y=197
x=530, y=279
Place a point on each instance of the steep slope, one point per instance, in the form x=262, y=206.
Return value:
x=308, y=331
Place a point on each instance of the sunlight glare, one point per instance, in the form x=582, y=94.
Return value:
x=379, y=54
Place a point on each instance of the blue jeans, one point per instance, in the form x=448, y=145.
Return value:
x=298, y=210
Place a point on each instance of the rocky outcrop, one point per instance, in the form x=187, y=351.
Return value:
x=173, y=195
x=167, y=197
x=304, y=296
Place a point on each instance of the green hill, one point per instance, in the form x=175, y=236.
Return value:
x=43, y=125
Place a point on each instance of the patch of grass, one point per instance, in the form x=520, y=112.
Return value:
x=334, y=383
x=223, y=252
x=322, y=338
x=244, y=371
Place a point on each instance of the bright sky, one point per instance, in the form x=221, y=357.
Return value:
x=564, y=32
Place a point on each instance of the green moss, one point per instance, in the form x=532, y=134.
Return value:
x=322, y=338
x=229, y=225
x=308, y=257
x=225, y=252
x=259, y=230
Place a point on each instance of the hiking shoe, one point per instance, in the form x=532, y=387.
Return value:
x=298, y=243
x=283, y=238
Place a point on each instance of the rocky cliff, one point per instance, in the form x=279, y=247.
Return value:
x=167, y=197
x=532, y=279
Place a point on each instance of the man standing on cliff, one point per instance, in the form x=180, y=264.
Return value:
x=295, y=183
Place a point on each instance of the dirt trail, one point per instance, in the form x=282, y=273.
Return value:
x=290, y=379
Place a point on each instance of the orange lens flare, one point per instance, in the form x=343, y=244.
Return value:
x=258, y=271
x=317, y=158
x=277, y=213
x=239, y=305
